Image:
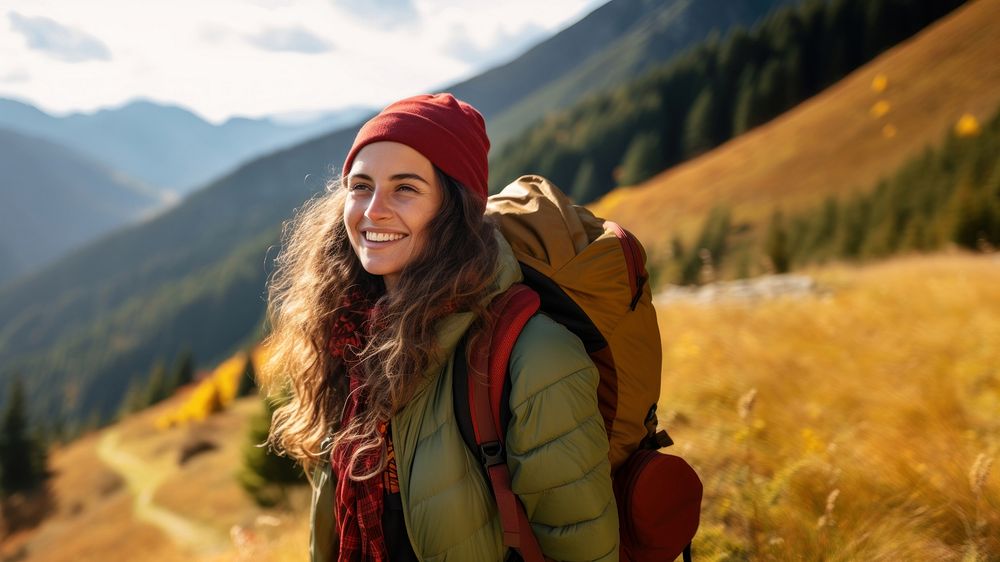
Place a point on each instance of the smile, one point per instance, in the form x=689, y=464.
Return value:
x=383, y=236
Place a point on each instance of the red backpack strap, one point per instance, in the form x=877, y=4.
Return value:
x=487, y=372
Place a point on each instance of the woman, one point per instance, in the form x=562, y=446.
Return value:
x=378, y=280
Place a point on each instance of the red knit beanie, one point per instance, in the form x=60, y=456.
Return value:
x=448, y=132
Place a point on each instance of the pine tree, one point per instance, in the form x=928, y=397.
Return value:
x=156, y=386
x=777, y=244
x=699, y=128
x=822, y=239
x=744, y=112
x=248, y=380
x=266, y=476
x=586, y=188
x=19, y=455
x=977, y=222
x=852, y=227
x=214, y=404
x=710, y=248
x=134, y=399
x=770, y=93
x=918, y=235
x=643, y=158
x=183, y=371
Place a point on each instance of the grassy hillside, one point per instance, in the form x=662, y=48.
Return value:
x=121, y=494
x=844, y=425
x=710, y=93
x=839, y=141
x=800, y=413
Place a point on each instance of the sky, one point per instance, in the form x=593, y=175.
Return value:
x=223, y=58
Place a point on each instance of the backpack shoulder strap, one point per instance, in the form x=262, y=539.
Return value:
x=486, y=375
x=510, y=312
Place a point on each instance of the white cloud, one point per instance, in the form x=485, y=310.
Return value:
x=305, y=55
x=290, y=39
x=49, y=36
x=497, y=49
x=15, y=75
x=387, y=13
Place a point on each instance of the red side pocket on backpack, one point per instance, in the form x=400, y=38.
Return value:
x=659, y=505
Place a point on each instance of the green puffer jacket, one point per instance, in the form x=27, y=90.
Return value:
x=557, y=451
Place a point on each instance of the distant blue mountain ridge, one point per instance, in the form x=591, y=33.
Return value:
x=169, y=147
x=55, y=199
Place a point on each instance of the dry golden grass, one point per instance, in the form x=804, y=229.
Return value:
x=94, y=516
x=92, y=519
x=857, y=424
x=217, y=491
x=845, y=426
x=847, y=137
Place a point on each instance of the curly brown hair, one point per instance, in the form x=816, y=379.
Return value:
x=316, y=273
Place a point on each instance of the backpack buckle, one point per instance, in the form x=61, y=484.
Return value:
x=492, y=454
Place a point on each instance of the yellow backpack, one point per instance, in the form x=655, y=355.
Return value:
x=590, y=275
x=585, y=267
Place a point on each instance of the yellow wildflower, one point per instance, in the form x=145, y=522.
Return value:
x=811, y=441
x=880, y=108
x=880, y=83
x=967, y=126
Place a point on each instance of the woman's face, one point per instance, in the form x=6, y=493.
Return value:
x=393, y=193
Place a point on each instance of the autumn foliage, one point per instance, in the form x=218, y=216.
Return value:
x=217, y=390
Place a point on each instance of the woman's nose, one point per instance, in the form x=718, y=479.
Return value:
x=378, y=207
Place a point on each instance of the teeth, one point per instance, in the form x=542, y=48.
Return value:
x=382, y=236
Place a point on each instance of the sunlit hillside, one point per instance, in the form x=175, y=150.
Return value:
x=857, y=423
x=844, y=139
x=138, y=491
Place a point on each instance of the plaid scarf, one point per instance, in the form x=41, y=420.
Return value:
x=359, y=505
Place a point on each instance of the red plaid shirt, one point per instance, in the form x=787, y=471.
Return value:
x=359, y=504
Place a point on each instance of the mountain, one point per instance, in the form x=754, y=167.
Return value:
x=497, y=89
x=55, y=199
x=839, y=142
x=167, y=146
x=174, y=149
x=662, y=32
x=194, y=276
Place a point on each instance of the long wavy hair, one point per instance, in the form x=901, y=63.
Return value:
x=317, y=275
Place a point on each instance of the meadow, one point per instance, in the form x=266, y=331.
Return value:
x=859, y=422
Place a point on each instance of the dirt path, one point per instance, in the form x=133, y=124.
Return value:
x=143, y=478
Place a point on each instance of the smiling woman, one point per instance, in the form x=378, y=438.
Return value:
x=389, y=206
x=378, y=282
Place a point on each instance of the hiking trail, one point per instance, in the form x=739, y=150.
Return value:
x=143, y=478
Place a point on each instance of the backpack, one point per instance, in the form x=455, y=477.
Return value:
x=589, y=275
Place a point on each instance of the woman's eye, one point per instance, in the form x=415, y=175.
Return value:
x=405, y=187
x=359, y=186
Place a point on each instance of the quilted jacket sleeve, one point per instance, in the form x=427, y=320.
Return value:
x=323, y=540
x=557, y=448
